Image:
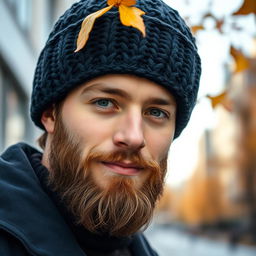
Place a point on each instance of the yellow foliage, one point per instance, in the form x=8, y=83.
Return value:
x=221, y=99
x=247, y=7
x=242, y=63
x=131, y=16
x=195, y=29
x=202, y=200
x=87, y=25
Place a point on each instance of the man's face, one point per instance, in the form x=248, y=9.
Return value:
x=121, y=113
x=115, y=132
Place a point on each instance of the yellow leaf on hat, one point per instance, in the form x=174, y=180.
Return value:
x=87, y=25
x=123, y=2
x=131, y=16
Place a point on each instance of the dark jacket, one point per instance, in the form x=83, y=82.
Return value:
x=30, y=222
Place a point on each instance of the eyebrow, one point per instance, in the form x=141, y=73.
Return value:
x=160, y=101
x=123, y=94
x=108, y=90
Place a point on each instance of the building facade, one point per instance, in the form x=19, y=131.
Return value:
x=24, y=27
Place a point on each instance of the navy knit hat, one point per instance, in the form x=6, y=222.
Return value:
x=167, y=55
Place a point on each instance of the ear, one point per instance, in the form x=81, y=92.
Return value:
x=48, y=120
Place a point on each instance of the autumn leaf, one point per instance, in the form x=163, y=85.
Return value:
x=87, y=25
x=122, y=2
x=208, y=15
x=241, y=62
x=195, y=29
x=131, y=16
x=219, y=24
x=248, y=6
x=221, y=99
x=215, y=100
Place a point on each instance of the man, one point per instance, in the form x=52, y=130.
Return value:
x=110, y=107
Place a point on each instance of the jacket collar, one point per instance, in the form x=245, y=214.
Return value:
x=27, y=212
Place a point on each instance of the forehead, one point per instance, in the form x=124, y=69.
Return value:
x=128, y=86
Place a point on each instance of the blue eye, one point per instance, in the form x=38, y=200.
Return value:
x=104, y=103
x=157, y=113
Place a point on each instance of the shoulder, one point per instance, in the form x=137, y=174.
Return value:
x=17, y=151
x=11, y=246
x=141, y=246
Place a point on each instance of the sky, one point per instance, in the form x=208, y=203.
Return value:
x=214, y=51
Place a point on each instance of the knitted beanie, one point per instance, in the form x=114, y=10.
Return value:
x=167, y=55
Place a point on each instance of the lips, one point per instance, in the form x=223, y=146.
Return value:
x=127, y=169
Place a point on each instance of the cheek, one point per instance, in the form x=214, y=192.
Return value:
x=158, y=145
x=85, y=126
x=90, y=132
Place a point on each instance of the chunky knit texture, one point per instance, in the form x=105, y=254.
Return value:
x=167, y=55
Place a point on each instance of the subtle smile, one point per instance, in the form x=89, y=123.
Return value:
x=123, y=168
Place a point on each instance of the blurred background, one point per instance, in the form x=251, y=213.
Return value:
x=209, y=203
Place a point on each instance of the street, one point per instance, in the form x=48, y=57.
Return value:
x=172, y=242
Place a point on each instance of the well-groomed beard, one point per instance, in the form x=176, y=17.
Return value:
x=121, y=208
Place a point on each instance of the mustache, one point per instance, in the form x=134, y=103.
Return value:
x=133, y=158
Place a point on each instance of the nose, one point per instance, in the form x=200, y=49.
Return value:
x=129, y=133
